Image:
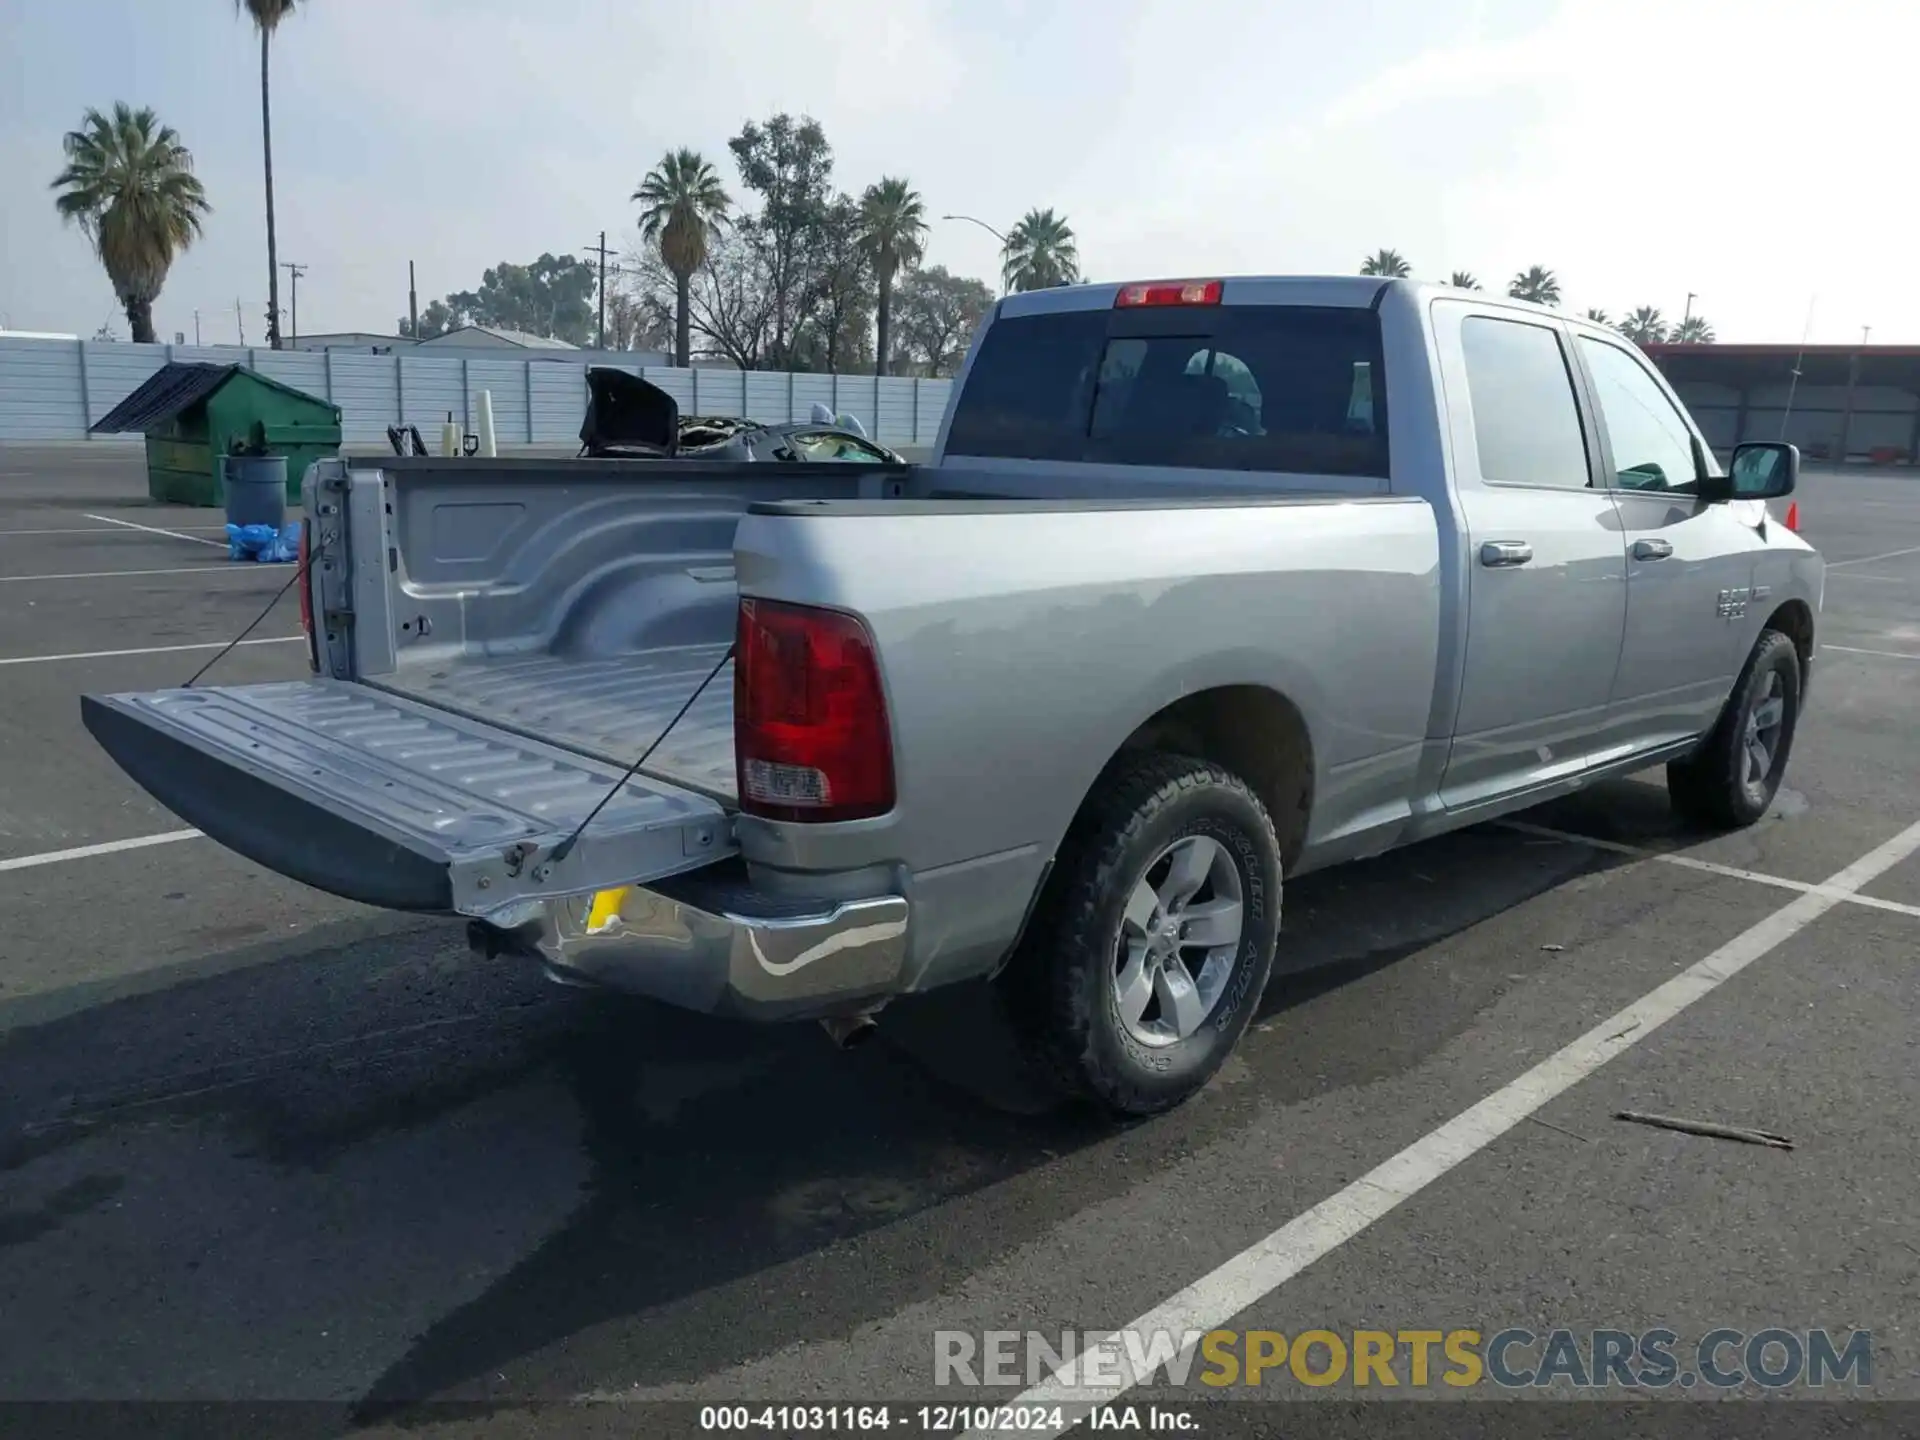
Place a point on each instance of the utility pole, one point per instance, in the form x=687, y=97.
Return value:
x=1691, y=297
x=295, y=271
x=413, y=304
x=602, y=248
x=1865, y=330
x=196, y=328
x=239, y=322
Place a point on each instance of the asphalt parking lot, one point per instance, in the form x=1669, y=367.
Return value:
x=261, y=1145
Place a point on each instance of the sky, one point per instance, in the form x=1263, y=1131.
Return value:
x=1750, y=153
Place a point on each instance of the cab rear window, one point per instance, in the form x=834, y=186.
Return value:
x=1254, y=387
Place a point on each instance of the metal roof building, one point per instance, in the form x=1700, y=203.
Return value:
x=491, y=337
x=463, y=337
x=1836, y=402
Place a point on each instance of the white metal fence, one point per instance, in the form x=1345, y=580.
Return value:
x=55, y=389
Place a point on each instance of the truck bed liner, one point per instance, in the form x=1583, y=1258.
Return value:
x=611, y=708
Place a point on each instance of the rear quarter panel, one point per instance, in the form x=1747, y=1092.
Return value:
x=1021, y=643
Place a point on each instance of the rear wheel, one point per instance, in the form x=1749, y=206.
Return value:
x=1732, y=780
x=1148, y=955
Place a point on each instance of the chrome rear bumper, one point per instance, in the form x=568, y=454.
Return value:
x=708, y=942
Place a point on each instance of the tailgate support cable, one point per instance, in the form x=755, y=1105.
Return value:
x=299, y=574
x=565, y=847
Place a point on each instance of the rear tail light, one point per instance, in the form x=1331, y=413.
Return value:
x=1168, y=292
x=304, y=580
x=810, y=732
x=1792, y=522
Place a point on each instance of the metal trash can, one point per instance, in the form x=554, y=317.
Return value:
x=256, y=487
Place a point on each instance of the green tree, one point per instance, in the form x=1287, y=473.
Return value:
x=683, y=208
x=1463, y=280
x=1040, y=253
x=552, y=297
x=833, y=327
x=1599, y=317
x=266, y=16
x=1390, y=263
x=789, y=165
x=893, y=230
x=938, y=314
x=129, y=185
x=1644, y=326
x=1535, y=283
x=435, y=320
x=1694, y=330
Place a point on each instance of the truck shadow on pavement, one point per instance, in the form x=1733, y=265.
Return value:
x=500, y=1191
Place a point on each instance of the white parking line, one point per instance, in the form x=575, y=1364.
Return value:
x=155, y=530
x=1214, y=1299
x=120, y=574
x=1831, y=564
x=1689, y=862
x=85, y=852
x=145, y=650
x=1877, y=579
x=106, y=530
x=1859, y=650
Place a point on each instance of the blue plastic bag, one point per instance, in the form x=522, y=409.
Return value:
x=264, y=543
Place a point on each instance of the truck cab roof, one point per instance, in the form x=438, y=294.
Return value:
x=1350, y=291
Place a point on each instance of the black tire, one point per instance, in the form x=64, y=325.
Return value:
x=1713, y=788
x=1061, y=989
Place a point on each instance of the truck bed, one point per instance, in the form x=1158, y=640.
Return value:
x=573, y=603
x=611, y=708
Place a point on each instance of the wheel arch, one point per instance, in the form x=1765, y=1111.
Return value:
x=1794, y=619
x=1253, y=731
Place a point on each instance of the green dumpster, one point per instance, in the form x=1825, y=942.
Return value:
x=193, y=415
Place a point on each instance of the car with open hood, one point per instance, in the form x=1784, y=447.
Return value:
x=631, y=417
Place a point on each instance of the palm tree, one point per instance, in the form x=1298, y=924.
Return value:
x=684, y=208
x=267, y=15
x=1644, y=326
x=1694, y=330
x=129, y=185
x=1386, y=262
x=893, y=229
x=1599, y=317
x=1536, y=283
x=1040, y=253
x=1463, y=280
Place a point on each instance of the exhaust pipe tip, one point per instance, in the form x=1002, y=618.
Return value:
x=849, y=1031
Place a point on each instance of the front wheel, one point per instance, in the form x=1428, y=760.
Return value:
x=1731, y=782
x=1148, y=955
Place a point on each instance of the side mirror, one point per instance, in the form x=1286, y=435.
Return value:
x=1764, y=470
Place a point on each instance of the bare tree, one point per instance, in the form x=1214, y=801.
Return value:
x=730, y=300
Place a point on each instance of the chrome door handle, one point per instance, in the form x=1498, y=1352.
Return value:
x=1651, y=549
x=1505, y=552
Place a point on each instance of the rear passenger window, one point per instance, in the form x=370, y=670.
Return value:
x=1525, y=422
x=1255, y=387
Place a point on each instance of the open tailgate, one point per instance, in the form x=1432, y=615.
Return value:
x=392, y=803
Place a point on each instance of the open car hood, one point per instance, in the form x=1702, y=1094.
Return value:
x=627, y=413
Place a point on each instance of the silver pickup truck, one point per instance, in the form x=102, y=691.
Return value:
x=1207, y=584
